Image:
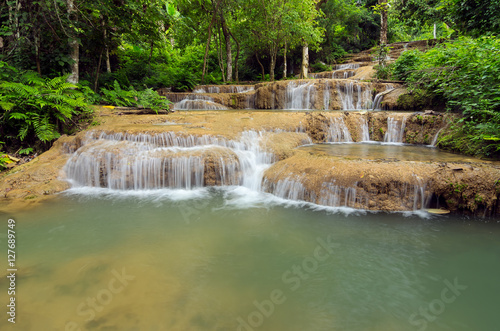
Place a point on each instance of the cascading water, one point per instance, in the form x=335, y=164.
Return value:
x=300, y=97
x=377, y=103
x=338, y=131
x=347, y=66
x=198, y=102
x=395, y=130
x=354, y=95
x=365, y=131
x=139, y=162
x=224, y=89
x=326, y=96
x=337, y=196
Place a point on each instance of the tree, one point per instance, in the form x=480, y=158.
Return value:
x=383, y=7
x=474, y=17
x=274, y=21
x=350, y=26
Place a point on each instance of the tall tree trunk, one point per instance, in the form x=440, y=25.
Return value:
x=383, y=22
x=37, y=51
x=284, y=62
x=98, y=70
x=305, y=61
x=261, y=66
x=220, y=56
x=236, y=74
x=272, y=65
x=108, y=62
x=214, y=15
x=435, y=30
x=229, y=56
x=74, y=48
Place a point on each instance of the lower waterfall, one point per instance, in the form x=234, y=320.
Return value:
x=300, y=97
x=395, y=130
x=139, y=162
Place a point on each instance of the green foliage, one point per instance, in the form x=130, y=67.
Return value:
x=383, y=70
x=132, y=98
x=4, y=161
x=167, y=67
x=119, y=97
x=151, y=100
x=406, y=64
x=33, y=107
x=350, y=26
x=466, y=75
x=320, y=66
x=473, y=17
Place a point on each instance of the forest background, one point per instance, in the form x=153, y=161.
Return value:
x=59, y=56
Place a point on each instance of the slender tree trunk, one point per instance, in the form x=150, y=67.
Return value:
x=108, y=62
x=220, y=56
x=236, y=74
x=214, y=15
x=229, y=56
x=305, y=61
x=74, y=48
x=383, y=22
x=284, y=62
x=37, y=51
x=98, y=70
x=14, y=18
x=435, y=30
x=261, y=66
x=272, y=66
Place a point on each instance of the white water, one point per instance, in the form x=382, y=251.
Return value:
x=337, y=196
x=395, y=130
x=229, y=88
x=338, y=131
x=326, y=96
x=354, y=96
x=144, y=162
x=198, y=102
x=377, y=103
x=365, y=131
x=300, y=97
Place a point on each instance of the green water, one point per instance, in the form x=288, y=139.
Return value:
x=208, y=259
x=389, y=151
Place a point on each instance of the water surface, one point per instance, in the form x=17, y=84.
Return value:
x=389, y=151
x=234, y=259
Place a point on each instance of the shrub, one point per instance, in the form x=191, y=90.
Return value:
x=37, y=108
x=406, y=64
x=465, y=74
x=132, y=98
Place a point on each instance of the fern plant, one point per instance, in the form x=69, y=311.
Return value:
x=132, y=98
x=39, y=107
x=119, y=97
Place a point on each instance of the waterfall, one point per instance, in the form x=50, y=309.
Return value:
x=395, y=130
x=435, y=139
x=224, y=89
x=326, y=96
x=144, y=162
x=337, y=196
x=288, y=188
x=365, y=131
x=377, y=103
x=347, y=66
x=300, y=97
x=198, y=102
x=353, y=96
x=338, y=131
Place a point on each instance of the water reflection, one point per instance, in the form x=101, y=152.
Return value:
x=389, y=151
